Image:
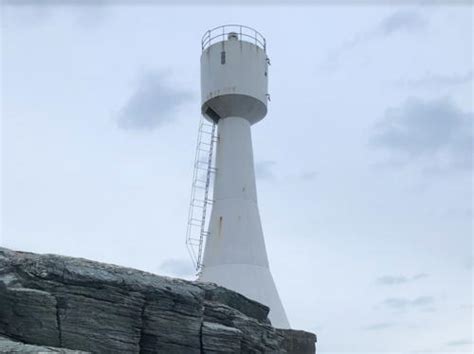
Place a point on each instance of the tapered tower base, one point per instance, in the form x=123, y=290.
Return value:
x=235, y=255
x=254, y=282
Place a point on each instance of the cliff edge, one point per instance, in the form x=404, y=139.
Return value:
x=51, y=303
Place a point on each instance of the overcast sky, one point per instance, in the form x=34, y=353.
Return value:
x=364, y=161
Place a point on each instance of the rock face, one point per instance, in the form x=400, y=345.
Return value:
x=51, y=303
x=7, y=345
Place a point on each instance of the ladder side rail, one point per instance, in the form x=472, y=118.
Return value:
x=190, y=225
x=200, y=200
x=206, y=196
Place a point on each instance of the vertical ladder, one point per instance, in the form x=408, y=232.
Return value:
x=204, y=170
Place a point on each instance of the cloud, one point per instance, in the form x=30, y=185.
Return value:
x=88, y=14
x=378, y=326
x=152, y=104
x=436, y=134
x=308, y=175
x=400, y=21
x=177, y=267
x=431, y=81
x=264, y=170
x=396, y=280
x=423, y=301
x=420, y=276
x=397, y=303
x=402, y=304
x=25, y=15
x=459, y=343
x=391, y=280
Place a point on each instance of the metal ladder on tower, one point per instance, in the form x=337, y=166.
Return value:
x=201, y=200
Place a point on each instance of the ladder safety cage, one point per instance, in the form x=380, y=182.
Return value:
x=201, y=200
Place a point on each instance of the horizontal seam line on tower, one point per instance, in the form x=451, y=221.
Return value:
x=245, y=264
x=251, y=200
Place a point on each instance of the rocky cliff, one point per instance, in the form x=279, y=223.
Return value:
x=52, y=303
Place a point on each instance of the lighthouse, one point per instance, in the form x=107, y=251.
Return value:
x=234, y=96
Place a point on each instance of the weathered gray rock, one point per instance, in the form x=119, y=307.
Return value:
x=257, y=337
x=7, y=345
x=24, y=310
x=63, y=302
x=217, y=338
x=298, y=341
x=248, y=307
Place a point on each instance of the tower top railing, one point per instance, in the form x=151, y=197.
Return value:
x=243, y=33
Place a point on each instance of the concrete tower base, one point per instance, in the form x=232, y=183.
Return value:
x=255, y=282
x=235, y=255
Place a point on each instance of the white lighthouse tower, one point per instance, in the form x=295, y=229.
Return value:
x=234, y=91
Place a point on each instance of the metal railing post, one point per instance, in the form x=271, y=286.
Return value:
x=244, y=33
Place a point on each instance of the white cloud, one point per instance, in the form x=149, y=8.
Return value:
x=434, y=133
x=399, y=279
x=177, y=267
x=265, y=170
x=152, y=104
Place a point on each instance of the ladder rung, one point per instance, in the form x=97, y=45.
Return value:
x=197, y=181
x=211, y=169
x=207, y=144
x=201, y=180
x=202, y=203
